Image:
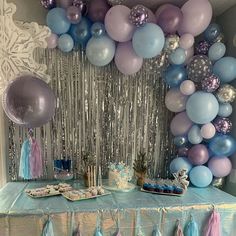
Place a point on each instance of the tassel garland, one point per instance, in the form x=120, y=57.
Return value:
x=48, y=229
x=179, y=231
x=213, y=226
x=191, y=229
x=156, y=232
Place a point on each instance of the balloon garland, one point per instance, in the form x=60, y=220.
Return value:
x=198, y=77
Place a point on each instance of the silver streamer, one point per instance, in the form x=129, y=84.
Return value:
x=101, y=111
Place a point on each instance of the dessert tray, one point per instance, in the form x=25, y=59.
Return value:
x=84, y=194
x=48, y=191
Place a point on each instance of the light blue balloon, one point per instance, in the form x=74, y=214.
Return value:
x=202, y=107
x=225, y=109
x=216, y=51
x=194, y=135
x=57, y=20
x=100, y=51
x=148, y=41
x=180, y=163
x=65, y=43
x=174, y=75
x=200, y=176
x=225, y=69
x=223, y=145
x=98, y=29
x=178, y=56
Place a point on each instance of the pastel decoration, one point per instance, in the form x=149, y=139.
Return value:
x=213, y=227
x=191, y=228
x=177, y=57
x=194, y=135
x=186, y=41
x=187, y=87
x=208, y=131
x=180, y=163
x=65, y=43
x=225, y=109
x=216, y=51
x=198, y=154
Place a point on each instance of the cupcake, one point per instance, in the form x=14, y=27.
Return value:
x=100, y=190
x=145, y=186
x=178, y=190
x=157, y=188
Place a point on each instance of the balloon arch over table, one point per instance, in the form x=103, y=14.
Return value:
x=198, y=75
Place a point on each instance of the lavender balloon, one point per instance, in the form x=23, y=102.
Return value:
x=198, y=154
x=28, y=101
x=82, y=5
x=48, y=4
x=98, y=10
x=138, y=15
x=210, y=84
x=223, y=125
x=73, y=14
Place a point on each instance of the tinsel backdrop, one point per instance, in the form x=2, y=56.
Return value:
x=100, y=111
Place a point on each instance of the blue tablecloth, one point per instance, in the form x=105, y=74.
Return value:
x=21, y=215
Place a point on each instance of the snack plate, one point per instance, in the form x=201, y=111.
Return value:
x=81, y=199
x=167, y=194
x=46, y=195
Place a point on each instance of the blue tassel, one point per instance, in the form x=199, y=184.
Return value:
x=24, y=170
x=98, y=232
x=191, y=229
x=48, y=229
x=156, y=232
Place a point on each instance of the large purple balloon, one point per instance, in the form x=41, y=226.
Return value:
x=117, y=23
x=28, y=101
x=127, y=61
x=98, y=10
x=198, y=154
x=220, y=166
x=170, y=19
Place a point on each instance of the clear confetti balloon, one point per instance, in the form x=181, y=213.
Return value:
x=226, y=93
x=202, y=48
x=171, y=43
x=138, y=15
x=223, y=125
x=200, y=67
x=48, y=4
x=211, y=83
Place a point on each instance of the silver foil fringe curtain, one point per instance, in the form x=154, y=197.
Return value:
x=101, y=111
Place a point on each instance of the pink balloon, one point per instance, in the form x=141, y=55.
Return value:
x=98, y=10
x=187, y=87
x=175, y=101
x=52, y=41
x=196, y=17
x=117, y=23
x=220, y=166
x=127, y=61
x=161, y=9
x=186, y=41
x=180, y=124
x=208, y=131
x=189, y=54
x=198, y=154
x=151, y=17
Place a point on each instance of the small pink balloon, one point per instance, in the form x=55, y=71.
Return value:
x=180, y=124
x=187, y=87
x=208, y=131
x=52, y=41
x=198, y=154
x=151, y=17
x=117, y=24
x=64, y=3
x=220, y=166
x=186, y=41
x=126, y=60
x=175, y=101
x=73, y=14
x=189, y=54
x=98, y=10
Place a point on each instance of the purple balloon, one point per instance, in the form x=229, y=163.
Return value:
x=220, y=166
x=64, y=3
x=82, y=5
x=52, y=41
x=98, y=10
x=223, y=125
x=28, y=101
x=170, y=19
x=48, y=4
x=210, y=84
x=180, y=124
x=127, y=61
x=183, y=151
x=73, y=14
x=161, y=9
x=198, y=154
x=117, y=24
x=138, y=15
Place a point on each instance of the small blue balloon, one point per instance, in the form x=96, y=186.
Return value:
x=225, y=109
x=148, y=41
x=180, y=141
x=194, y=135
x=174, y=75
x=180, y=163
x=216, y=51
x=212, y=32
x=202, y=107
x=178, y=56
x=98, y=29
x=225, y=69
x=81, y=33
x=57, y=21
x=100, y=51
x=223, y=145
x=65, y=43
x=200, y=176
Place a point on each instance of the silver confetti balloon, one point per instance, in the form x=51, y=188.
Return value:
x=200, y=67
x=226, y=93
x=138, y=15
x=171, y=43
x=223, y=125
x=218, y=182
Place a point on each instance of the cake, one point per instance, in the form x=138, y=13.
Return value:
x=119, y=175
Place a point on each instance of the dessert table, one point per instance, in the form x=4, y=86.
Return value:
x=21, y=215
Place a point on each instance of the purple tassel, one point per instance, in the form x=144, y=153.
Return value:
x=213, y=227
x=179, y=230
x=36, y=165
